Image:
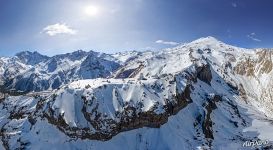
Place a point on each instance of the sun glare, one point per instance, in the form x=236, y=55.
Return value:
x=91, y=10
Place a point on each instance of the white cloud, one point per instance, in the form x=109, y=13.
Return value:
x=166, y=42
x=58, y=28
x=234, y=5
x=252, y=36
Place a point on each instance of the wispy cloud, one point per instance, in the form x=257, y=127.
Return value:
x=229, y=33
x=166, y=42
x=58, y=28
x=147, y=48
x=253, y=37
x=234, y=4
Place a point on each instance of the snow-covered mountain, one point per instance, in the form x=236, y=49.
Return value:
x=31, y=58
x=200, y=95
x=35, y=72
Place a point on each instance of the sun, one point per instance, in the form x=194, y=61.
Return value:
x=91, y=10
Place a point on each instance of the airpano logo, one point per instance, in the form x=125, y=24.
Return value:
x=255, y=143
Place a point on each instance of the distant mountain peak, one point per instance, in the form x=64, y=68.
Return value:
x=208, y=39
x=26, y=53
x=31, y=58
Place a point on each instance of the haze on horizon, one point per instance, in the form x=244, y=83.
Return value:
x=53, y=27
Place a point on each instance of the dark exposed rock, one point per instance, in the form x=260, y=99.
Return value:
x=242, y=93
x=207, y=124
x=245, y=67
x=204, y=74
x=129, y=73
x=265, y=61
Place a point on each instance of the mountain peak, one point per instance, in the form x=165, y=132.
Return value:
x=210, y=43
x=31, y=58
x=22, y=53
x=209, y=39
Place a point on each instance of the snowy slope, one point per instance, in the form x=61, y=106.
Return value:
x=124, y=57
x=200, y=95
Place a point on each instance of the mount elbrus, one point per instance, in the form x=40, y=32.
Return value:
x=200, y=95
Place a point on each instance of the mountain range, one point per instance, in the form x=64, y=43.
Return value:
x=199, y=95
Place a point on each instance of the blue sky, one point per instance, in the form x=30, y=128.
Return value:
x=52, y=27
